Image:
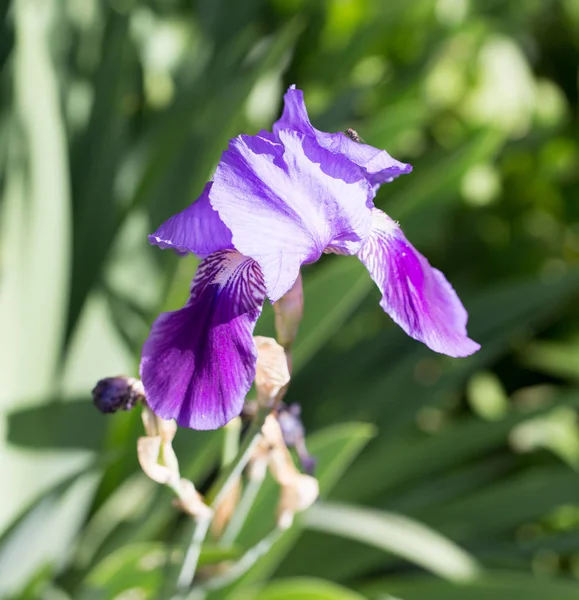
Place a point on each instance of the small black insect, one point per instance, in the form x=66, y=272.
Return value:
x=353, y=135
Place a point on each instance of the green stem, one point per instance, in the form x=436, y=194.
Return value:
x=218, y=492
x=193, y=552
x=233, y=470
x=240, y=515
x=230, y=449
x=240, y=568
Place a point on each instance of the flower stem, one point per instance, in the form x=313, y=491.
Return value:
x=240, y=568
x=233, y=470
x=193, y=552
x=219, y=491
x=230, y=448
x=240, y=515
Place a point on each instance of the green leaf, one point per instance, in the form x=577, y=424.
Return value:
x=331, y=293
x=137, y=567
x=142, y=567
x=304, y=588
x=72, y=424
x=554, y=358
x=53, y=523
x=504, y=505
x=408, y=461
x=396, y=534
x=96, y=154
x=492, y=586
x=37, y=216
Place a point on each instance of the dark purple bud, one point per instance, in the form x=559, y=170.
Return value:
x=293, y=432
x=308, y=462
x=117, y=393
x=291, y=425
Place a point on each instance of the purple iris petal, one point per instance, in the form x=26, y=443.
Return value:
x=416, y=296
x=196, y=229
x=287, y=202
x=199, y=362
x=378, y=165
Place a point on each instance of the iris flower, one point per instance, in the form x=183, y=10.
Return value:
x=279, y=200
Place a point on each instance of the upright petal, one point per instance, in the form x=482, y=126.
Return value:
x=286, y=202
x=378, y=166
x=196, y=229
x=295, y=114
x=416, y=296
x=199, y=362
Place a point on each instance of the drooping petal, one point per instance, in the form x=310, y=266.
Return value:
x=286, y=202
x=378, y=165
x=417, y=296
x=199, y=362
x=197, y=229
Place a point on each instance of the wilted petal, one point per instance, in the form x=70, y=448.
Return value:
x=199, y=362
x=148, y=452
x=226, y=508
x=281, y=464
x=197, y=229
x=155, y=426
x=271, y=372
x=286, y=203
x=416, y=296
x=377, y=164
x=190, y=501
x=296, y=496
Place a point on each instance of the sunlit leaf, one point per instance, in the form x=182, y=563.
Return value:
x=396, y=534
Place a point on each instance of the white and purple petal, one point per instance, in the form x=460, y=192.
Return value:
x=417, y=296
x=198, y=362
x=378, y=166
x=197, y=229
x=286, y=202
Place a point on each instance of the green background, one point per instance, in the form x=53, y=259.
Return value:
x=113, y=115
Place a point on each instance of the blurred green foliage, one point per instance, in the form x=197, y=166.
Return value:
x=113, y=115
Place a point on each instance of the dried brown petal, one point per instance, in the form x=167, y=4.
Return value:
x=190, y=500
x=296, y=496
x=281, y=464
x=298, y=491
x=149, y=451
x=155, y=426
x=271, y=372
x=224, y=511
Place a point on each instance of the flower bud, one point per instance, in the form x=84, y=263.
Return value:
x=291, y=425
x=293, y=432
x=271, y=372
x=117, y=393
x=288, y=313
